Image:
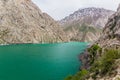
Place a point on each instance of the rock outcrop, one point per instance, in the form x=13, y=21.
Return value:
x=87, y=22
x=24, y=22
x=111, y=32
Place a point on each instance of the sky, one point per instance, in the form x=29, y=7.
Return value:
x=58, y=9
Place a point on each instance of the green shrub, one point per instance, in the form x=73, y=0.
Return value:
x=69, y=77
x=105, y=64
x=118, y=78
x=108, y=59
x=79, y=76
x=94, y=50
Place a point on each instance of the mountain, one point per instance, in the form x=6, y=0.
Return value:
x=94, y=18
x=83, y=33
x=101, y=61
x=108, y=59
x=110, y=39
x=21, y=21
x=111, y=32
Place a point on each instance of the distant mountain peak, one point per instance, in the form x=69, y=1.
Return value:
x=92, y=16
x=90, y=9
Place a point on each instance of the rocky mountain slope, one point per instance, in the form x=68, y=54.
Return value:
x=101, y=61
x=111, y=32
x=83, y=33
x=94, y=18
x=23, y=22
x=110, y=40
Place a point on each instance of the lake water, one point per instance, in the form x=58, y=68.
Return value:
x=40, y=61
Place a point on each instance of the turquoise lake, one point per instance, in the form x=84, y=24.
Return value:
x=40, y=61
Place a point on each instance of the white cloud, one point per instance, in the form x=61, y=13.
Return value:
x=58, y=9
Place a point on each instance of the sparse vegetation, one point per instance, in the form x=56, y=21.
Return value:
x=83, y=28
x=2, y=35
x=102, y=63
x=94, y=50
x=79, y=76
x=105, y=64
x=80, y=32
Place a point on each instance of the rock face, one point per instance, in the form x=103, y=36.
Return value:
x=111, y=39
x=111, y=32
x=91, y=20
x=24, y=22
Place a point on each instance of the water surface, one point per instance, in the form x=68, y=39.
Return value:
x=40, y=61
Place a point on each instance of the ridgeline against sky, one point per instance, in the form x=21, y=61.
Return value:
x=59, y=9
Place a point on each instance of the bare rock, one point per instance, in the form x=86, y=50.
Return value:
x=26, y=23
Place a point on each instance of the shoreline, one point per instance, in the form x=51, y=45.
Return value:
x=42, y=43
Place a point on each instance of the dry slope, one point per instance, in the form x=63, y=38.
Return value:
x=24, y=22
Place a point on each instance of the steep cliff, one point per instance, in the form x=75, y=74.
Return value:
x=24, y=22
x=111, y=32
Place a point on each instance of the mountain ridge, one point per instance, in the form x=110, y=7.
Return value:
x=87, y=18
x=26, y=23
x=90, y=11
